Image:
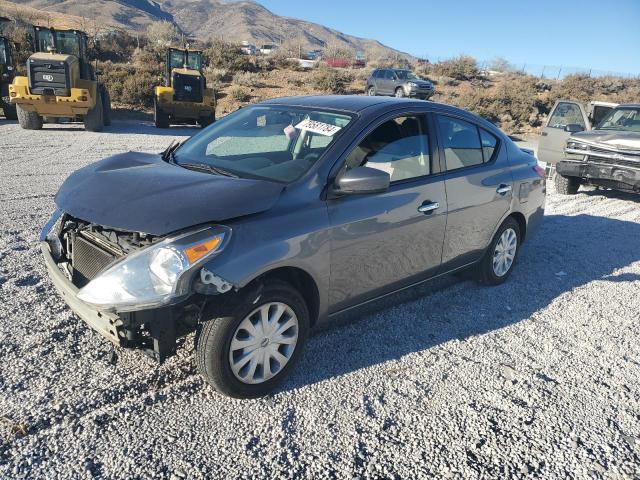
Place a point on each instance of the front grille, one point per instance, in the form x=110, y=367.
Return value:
x=615, y=161
x=187, y=88
x=48, y=77
x=87, y=261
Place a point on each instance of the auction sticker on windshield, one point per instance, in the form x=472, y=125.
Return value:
x=318, y=127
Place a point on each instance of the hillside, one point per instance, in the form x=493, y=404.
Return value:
x=209, y=19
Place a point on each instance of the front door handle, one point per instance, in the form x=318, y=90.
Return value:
x=428, y=207
x=503, y=189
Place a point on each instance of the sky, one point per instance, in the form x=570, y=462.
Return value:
x=588, y=34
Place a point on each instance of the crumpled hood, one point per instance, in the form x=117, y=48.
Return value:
x=619, y=140
x=139, y=192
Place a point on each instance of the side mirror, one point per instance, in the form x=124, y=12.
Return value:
x=573, y=128
x=360, y=180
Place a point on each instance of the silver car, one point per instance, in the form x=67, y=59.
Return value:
x=280, y=216
x=399, y=83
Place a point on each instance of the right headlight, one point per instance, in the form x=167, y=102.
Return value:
x=156, y=275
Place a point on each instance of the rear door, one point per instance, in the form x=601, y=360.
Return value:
x=554, y=136
x=478, y=184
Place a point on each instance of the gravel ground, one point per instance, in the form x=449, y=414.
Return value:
x=538, y=377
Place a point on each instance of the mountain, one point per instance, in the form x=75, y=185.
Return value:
x=233, y=21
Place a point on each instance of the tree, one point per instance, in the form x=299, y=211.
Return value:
x=162, y=34
x=501, y=64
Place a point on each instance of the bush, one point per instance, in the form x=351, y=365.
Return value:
x=240, y=94
x=129, y=85
x=330, y=80
x=463, y=67
x=248, y=79
x=230, y=57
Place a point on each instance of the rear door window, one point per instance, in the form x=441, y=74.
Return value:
x=566, y=113
x=461, y=143
x=489, y=144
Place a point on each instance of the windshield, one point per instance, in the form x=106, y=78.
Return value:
x=194, y=60
x=64, y=42
x=406, y=75
x=268, y=142
x=3, y=52
x=625, y=119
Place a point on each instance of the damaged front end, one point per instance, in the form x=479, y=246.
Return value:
x=137, y=290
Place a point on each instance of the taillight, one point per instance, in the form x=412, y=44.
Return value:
x=540, y=171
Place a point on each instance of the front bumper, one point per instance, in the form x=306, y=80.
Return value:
x=611, y=175
x=420, y=92
x=106, y=324
x=153, y=331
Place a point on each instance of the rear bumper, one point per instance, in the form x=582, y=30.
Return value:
x=616, y=176
x=79, y=102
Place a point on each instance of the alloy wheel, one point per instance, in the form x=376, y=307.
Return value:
x=263, y=343
x=505, y=252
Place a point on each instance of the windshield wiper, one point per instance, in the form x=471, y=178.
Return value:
x=205, y=167
x=168, y=154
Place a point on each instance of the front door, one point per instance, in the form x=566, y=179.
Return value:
x=554, y=136
x=381, y=242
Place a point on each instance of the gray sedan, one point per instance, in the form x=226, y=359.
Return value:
x=280, y=216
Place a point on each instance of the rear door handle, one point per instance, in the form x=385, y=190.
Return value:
x=428, y=207
x=503, y=189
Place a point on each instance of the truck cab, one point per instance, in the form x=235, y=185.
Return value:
x=568, y=117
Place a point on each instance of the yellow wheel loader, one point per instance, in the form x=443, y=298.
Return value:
x=60, y=83
x=7, y=72
x=184, y=98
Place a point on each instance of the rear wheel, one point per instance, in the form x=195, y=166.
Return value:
x=94, y=119
x=28, y=120
x=249, y=353
x=566, y=185
x=497, y=263
x=106, y=107
x=160, y=118
x=206, y=121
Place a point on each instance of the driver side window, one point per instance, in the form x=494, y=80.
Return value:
x=399, y=147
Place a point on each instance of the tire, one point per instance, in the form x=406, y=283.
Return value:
x=214, y=354
x=94, y=119
x=106, y=106
x=7, y=107
x=204, y=122
x=399, y=92
x=28, y=120
x=160, y=119
x=371, y=91
x=486, y=270
x=566, y=185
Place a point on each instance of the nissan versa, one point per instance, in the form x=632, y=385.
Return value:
x=281, y=215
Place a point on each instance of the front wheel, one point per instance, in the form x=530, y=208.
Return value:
x=566, y=185
x=399, y=92
x=249, y=353
x=204, y=122
x=497, y=263
x=371, y=92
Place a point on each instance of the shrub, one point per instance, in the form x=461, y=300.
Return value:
x=330, y=80
x=248, y=79
x=463, y=67
x=129, y=85
x=240, y=94
x=230, y=57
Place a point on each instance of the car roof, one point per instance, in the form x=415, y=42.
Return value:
x=632, y=105
x=360, y=103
